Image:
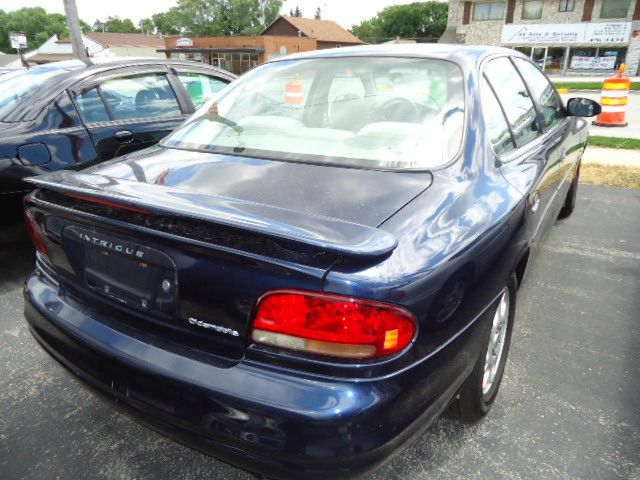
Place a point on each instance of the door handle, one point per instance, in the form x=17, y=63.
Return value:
x=124, y=136
x=534, y=201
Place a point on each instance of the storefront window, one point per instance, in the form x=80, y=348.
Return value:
x=488, y=11
x=228, y=64
x=555, y=58
x=525, y=50
x=614, y=8
x=567, y=5
x=597, y=58
x=237, y=62
x=532, y=9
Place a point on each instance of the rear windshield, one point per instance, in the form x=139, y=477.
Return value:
x=17, y=87
x=384, y=112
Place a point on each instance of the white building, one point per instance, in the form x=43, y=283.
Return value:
x=55, y=50
x=580, y=36
x=99, y=44
x=129, y=44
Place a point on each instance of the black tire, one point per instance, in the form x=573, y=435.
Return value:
x=570, y=201
x=472, y=403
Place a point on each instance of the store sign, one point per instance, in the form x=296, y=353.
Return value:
x=593, y=63
x=18, y=40
x=608, y=32
x=568, y=33
x=184, y=42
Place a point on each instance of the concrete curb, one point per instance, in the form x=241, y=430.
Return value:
x=612, y=156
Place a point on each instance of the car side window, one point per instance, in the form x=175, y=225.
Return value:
x=514, y=98
x=544, y=93
x=495, y=122
x=201, y=87
x=91, y=106
x=141, y=96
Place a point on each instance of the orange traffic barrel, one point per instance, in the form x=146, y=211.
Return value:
x=614, y=100
x=294, y=93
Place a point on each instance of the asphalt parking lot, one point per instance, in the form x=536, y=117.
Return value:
x=569, y=407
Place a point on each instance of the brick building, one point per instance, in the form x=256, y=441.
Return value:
x=578, y=36
x=238, y=54
x=328, y=33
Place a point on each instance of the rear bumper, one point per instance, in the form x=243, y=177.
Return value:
x=279, y=423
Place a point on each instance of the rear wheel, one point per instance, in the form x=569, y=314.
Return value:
x=481, y=388
x=570, y=201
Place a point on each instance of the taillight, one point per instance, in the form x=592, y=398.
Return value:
x=333, y=325
x=35, y=232
x=107, y=203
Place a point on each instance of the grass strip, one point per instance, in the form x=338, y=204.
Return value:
x=612, y=175
x=615, y=142
x=589, y=85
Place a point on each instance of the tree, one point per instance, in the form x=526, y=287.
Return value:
x=99, y=26
x=84, y=26
x=318, y=15
x=421, y=21
x=163, y=24
x=217, y=17
x=146, y=25
x=369, y=31
x=116, y=25
x=36, y=23
x=295, y=13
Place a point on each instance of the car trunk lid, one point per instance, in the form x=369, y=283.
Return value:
x=175, y=255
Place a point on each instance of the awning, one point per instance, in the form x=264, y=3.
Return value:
x=48, y=57
x=211, y=50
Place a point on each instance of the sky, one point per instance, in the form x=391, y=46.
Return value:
x=345, y=12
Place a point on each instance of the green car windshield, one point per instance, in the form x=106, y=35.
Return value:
x=378, y=112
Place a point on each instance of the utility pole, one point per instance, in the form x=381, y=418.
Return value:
x=263, y=13
x=75, y=34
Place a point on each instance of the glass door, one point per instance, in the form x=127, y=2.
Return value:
x=540, y=56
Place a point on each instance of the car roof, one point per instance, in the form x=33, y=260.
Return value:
x=461, y=54
x=100, y=64
x=74, y=71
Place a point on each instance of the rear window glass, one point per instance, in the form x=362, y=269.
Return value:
x=396, y=113
x=18, y=87
x=91, y=106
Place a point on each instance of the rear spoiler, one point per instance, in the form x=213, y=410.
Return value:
x=324, y=233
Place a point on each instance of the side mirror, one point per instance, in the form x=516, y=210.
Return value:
x=583, y=107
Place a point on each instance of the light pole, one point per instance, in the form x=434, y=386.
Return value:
x=75, y=34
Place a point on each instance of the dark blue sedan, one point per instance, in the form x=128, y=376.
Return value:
x=68, y=115
x=320, y=261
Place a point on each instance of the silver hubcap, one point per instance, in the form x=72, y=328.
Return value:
x=496, y=343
